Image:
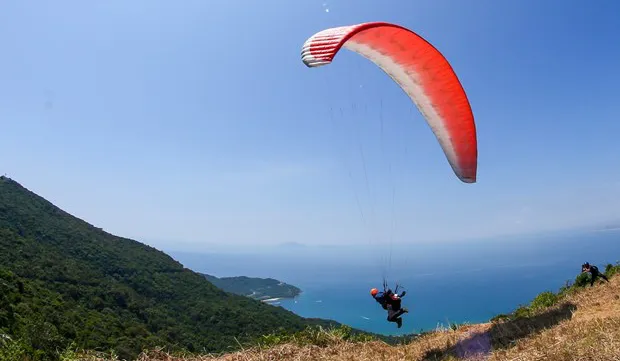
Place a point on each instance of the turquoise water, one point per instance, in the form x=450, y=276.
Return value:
x=468, y=283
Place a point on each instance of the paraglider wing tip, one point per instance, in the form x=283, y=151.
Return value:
x=310, y=60
x=469, y=180
x=321, y=48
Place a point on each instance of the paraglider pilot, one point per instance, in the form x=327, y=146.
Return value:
x=390, y=301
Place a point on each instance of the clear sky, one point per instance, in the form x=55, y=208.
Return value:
x=193, y=124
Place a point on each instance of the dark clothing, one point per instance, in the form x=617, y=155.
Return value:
x=394, y=314
x=596, y=273
x=392, y=303
x=381, y=298
x=389, y=298
x=395, y=302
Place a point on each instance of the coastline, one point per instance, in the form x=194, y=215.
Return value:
x=269, y=300
x=276, y=300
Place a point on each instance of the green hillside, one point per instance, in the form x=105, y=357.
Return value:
x=256, y=288
x=63, y=280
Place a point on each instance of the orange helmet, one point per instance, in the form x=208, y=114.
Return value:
x=374, y=291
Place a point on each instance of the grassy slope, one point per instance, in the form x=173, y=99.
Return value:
x=581, y=324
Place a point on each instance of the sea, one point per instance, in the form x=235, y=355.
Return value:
x=458, y=282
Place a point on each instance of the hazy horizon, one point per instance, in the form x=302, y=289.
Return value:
x=364, y=245
x=373, y=261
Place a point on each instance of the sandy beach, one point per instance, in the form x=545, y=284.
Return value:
x=272, y=299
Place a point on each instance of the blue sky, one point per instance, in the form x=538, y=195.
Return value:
x=194, y=126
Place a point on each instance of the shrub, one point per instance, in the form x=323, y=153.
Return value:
x=612, y=270
x=544, y=300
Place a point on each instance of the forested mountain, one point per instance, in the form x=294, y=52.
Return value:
x=64, y=280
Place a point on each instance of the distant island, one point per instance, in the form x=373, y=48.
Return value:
x=263, y=289
x=612, y=227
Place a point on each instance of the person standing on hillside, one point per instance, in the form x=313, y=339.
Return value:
x=586, y=267
x=391, y=302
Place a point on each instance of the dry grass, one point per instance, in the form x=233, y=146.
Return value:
x=584, y=326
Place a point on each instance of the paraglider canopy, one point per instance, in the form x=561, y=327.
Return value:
x=421, y=71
